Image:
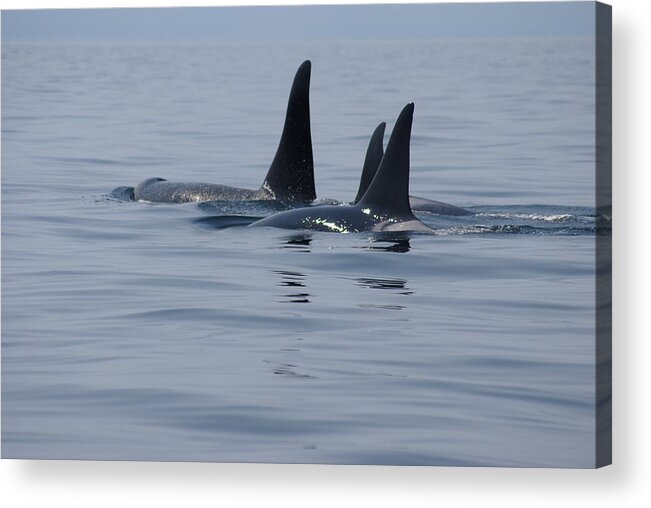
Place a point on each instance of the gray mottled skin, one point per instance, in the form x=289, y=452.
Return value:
x=290, y=177
x=383, y=207
x=159, y=190
x=374, y=154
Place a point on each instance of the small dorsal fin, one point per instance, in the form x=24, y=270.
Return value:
x=389, y=190
x=374, y=154
x=291, y=174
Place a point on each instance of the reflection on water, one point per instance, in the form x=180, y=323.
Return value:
x=374, y=283
x=387, y=242
x=377, y=306
x=298, y=242
x=288, y=370
x=395, y=286
x=292, y=280
x=401, y=245
x=395, y=241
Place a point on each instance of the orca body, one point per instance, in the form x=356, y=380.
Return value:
x=159, y=190
x=384, y=205
x=374, y=154
x=436, y=207
x=290, y=177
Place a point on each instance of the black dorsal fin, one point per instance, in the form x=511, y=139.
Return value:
x=291, y=175
x=374, y=154
x=389, y=190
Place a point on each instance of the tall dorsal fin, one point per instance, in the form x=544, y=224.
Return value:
x=374, y=154
x=389, y=190
x=291, y=175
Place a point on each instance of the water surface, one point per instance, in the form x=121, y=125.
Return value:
x=137, y=331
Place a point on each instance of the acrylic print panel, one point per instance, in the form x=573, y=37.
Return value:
x=152, y=323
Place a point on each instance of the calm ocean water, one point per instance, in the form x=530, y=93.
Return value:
x=136, y=331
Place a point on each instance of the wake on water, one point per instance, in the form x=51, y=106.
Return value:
x=517, y=219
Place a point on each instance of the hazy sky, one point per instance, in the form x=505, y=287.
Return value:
x=300, y=22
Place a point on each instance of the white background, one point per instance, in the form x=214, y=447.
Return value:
x=626, y=483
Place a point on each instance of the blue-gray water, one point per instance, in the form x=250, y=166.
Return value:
x=135, y=331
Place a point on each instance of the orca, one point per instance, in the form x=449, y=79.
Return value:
x=384, y=205
x=290, y=177
x=374, y=154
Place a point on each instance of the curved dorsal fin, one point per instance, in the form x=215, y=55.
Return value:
x=389, y=190
x=291, y=175
x=374, y=154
